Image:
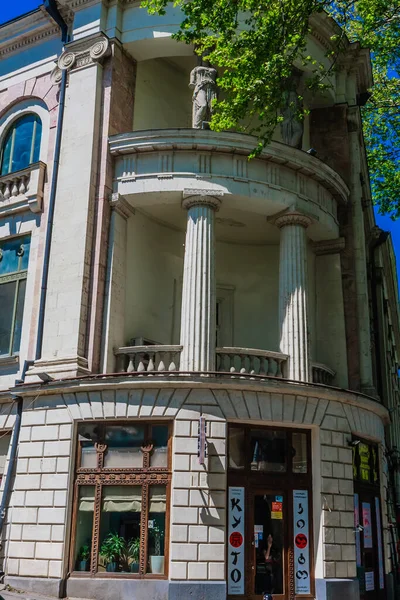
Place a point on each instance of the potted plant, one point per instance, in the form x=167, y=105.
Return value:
x=156, y=559
x=112, y=548
x=134, y=554
x=82, y=563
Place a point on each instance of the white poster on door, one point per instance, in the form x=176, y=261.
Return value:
x=301, y=543
x=367, y=524
x=380, y=551
x=236, y=541
x=369, y=581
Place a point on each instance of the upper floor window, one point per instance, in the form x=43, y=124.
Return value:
x=14, y=258
x=21, y=145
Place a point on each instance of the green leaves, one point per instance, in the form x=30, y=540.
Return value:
x=254, y=44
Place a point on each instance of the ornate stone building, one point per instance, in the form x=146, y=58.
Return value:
x=198, y=352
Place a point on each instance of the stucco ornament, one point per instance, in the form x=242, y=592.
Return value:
x=292, y=126
x=204, y=86
x=80, y=54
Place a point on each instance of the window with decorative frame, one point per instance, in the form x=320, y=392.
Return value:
x=21, y=146
x=14, y=259
x=121, y=500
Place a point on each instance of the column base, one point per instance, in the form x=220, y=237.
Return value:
x=58, y=368
x=332, y=589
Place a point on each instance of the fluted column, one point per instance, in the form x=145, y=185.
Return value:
x=293, y=315
x=198, y=292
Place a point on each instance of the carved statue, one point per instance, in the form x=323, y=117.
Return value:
x=292, y=126
x=203, y=84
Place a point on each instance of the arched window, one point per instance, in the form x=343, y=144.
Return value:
x=21, y=145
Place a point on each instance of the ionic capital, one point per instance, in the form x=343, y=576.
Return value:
x=200, y=197
x=81, y=53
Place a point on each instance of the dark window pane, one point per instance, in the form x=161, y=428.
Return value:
x=84, y=526
x=159, y=456
x=23, y=146
x=268, y=450
x=237, y=451
x=120, y=528
x=23, y=143
x=5, y=164
x=299, y=442
x=124, y=446
x=269, y=516
x=37, y=140
x=7, y=298
x=18, y=315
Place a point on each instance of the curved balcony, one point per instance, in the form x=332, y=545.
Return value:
x=239, y=363
x=154, y=167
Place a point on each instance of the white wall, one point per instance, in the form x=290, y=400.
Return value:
x=154, y=260
x=162, y=95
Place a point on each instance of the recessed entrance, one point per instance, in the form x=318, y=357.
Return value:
x=269, y=515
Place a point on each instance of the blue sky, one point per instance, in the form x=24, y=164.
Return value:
x=10, y=10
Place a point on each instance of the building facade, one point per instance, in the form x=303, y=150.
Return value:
x=198, y=353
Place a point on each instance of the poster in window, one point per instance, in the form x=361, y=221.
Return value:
x=357, y=529
x=367, y=525
x=236, y=541
x=369, y=581
x=301, y=542
x=380, y=551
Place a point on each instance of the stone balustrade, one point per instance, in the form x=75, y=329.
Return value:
x=23, y=189
x=238, y=362
x=322, y=374
x=146, y=359
x=249, y=361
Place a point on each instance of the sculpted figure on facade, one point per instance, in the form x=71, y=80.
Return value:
x=291, y=126
x=204, y=86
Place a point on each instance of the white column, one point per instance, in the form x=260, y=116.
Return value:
x=198, y=292
x=293, y=294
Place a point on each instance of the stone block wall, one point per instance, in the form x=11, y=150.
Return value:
x=38, y=533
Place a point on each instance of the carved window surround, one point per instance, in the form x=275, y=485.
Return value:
x=23, y=190
x=100, y=476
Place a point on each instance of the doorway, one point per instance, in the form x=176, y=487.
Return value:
x=270, y=485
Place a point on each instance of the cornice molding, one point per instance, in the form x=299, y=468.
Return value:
x=15, y=45
x=120, y=205
x=329, y=246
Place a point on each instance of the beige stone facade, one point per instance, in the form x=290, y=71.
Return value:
x=196, y=292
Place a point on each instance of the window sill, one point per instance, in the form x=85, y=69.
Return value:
x=116, y=575
x=8, y=360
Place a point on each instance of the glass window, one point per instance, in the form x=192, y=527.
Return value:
x=120, y=528
x=268, y=450
x=84, y=527
x=14, y=258
x=299, y=444
x=237, y=450
x=156, y=529
x=130, y=497
x=22, y=144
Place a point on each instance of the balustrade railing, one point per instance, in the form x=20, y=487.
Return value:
x=239, y=362
x=249, y=361
x=322, y=374
x=147, y=359
x=25, y=185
